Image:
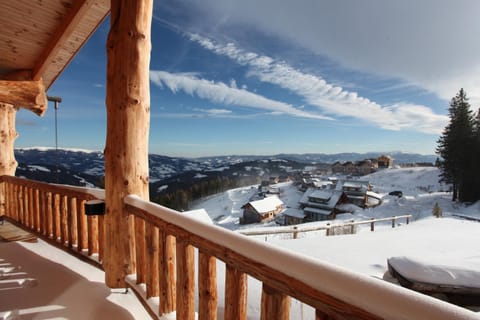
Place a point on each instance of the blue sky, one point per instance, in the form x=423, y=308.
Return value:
x=277, y=76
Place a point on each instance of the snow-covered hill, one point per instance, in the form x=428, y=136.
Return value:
x=439, y=243
x=420, y=187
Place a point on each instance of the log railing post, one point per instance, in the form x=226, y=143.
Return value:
x=128, y=124
x=72, y=222
x=235, y=294
x=207, y=287
x=31, y=207
x=36, y=210
x=81, y=225
x=152, y=259
x=185, y=280
x=49, y=213
x=64, y=221
x=275, y=305
x=166, y=272
x=92, y=235
x=57, y=220
x=139, y=266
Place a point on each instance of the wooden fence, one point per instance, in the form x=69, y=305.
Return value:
x=165, y=242
x=295, y=230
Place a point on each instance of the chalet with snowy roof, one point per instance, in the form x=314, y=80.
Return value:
x=356, y=191
x=385, y=162
x=293, y=216
x=321, y=205
x=261, y=210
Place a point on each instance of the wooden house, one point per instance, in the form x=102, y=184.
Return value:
x=294, y=216
x=385, y=162
x=356, y=191
x=261, y=210
x=321, y=205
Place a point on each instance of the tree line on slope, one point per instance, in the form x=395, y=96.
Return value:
x=181, y=198
x=459, y=150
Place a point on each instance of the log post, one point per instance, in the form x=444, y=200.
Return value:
x=8, y=164
x=207, y=287
x=275, y=305
x=185, y=280
x=128, y=124
x=152, y=259
x=235, y=294
x=167, y=273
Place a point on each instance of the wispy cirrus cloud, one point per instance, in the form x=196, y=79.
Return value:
x=330, y=99
x=221, y=93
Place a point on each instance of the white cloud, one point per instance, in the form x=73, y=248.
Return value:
x=220, y=93
x=432, y=44
x=330, y=99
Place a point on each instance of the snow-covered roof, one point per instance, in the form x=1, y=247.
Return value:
x=331, y=197
x=267, y=204
x=320, y=194
x=296, y=213
x=356, y=184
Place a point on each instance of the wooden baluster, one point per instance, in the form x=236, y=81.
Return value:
x=26, y=212
x=21, y=217
x=6, y=187
x=31, y=208
x=207, y=287
x=36, y=209
x=92, y=235
x=64, y=221
x=185, y=280
x=167, y=277
x=57, y=220
x=49, y=214
x=82, y=225
x=15, y=202
x=140, y=265
x=235, y=294
x=275, y=305
x=72, y=222
x=101, y=237
x=151, y=233
x=43, y=212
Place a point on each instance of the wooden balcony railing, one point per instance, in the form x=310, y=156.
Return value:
x=165, y=243
x=57, y=213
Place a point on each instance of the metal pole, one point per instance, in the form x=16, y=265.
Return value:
x=56, y=100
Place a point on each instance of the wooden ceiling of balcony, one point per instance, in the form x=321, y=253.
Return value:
x=38, y=38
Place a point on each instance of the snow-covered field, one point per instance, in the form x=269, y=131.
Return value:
x=448, y=243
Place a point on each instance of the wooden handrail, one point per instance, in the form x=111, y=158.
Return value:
x=56, y=213
x=332, y=291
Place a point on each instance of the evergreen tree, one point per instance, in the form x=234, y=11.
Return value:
x=455, y=147
x=476, y=155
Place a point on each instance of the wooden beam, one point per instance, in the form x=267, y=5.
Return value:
x=69, y=24
x=128, y=123
x=29, y=95
x=19, y=75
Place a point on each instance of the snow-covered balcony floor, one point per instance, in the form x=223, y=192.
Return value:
x=39, y=281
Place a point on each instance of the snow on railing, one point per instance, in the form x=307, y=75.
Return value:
x=332, y=291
